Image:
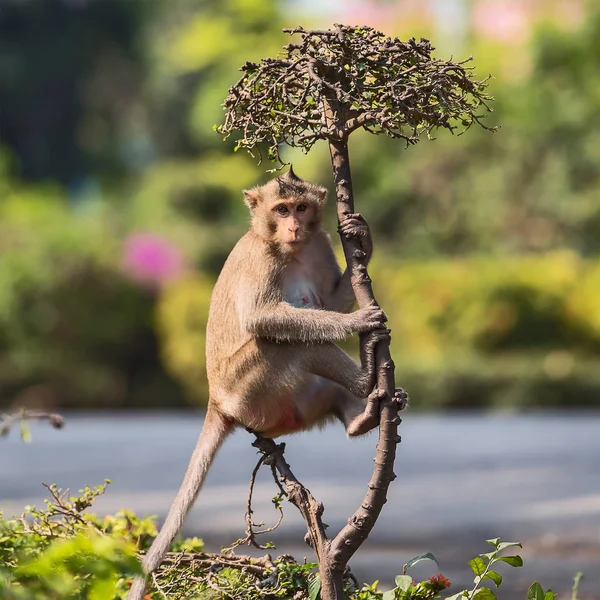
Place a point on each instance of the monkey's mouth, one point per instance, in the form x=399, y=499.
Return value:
x=294, y=246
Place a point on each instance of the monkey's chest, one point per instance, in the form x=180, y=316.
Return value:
x=300, y=291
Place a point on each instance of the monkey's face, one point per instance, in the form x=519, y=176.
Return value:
x=292, y=223
x=286, y=212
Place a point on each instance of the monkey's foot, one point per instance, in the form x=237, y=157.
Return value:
x=400, y=398
x=369, y=418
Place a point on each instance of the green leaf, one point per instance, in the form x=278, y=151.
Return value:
x=513, y=561
x=477, y=565
x=503, y=545
x=484, y=594
x=25, y=432
x=463, y=594
x=489, y=555
x=494, y=576
x=389, y=595
x=403, y=582
x=421, y=557
x=550, y=595
x=314, y=588
x=103, y=588
x=493, y=542
x=535, y=592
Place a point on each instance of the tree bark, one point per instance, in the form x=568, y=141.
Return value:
x=345, y=544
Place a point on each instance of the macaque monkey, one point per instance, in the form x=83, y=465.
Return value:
x=277, y=309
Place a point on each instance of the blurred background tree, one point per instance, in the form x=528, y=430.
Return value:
x=118, y=203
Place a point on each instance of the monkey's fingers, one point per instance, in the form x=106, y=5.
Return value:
x=369, y=318
x=348, y=215
x=400, y=398
x=354, y=228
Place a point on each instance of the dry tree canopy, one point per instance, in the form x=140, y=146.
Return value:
x=334, y=81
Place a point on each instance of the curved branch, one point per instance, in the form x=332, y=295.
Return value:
x=362, y=521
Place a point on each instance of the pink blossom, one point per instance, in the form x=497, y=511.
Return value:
x=503, y=21
x=151, y=259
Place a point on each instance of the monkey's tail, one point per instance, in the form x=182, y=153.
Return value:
x=214, y=431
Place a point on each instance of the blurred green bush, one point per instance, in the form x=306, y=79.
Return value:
x=493, y=303
x=74, y=329
x=520, y=331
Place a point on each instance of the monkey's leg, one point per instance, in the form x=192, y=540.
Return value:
x=359, y=415
x=331, y=362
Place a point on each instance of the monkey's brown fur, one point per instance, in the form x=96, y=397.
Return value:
x=277, y=308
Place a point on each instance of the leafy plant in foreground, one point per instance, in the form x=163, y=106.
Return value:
x=62, y=552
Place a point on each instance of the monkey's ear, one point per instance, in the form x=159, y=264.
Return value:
x=321, y=194
x=252, y=197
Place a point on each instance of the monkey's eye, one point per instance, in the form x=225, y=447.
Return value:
x=301, y=207
x=282, y=209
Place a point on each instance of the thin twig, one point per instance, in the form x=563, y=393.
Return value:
x=8, y=421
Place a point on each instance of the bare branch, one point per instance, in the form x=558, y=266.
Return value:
x=8, y=421
x=395, y=88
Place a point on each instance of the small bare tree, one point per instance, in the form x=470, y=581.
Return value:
x=324, y=87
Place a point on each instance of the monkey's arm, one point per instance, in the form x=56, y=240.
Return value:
x=286, y=323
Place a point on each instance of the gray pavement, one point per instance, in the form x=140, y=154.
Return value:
x=462, y=478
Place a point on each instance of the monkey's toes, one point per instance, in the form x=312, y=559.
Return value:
x=375, y=336
x=400, y=398
x=381, y=335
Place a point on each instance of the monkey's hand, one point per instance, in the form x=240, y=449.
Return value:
x=367, y=319
x=354, y=226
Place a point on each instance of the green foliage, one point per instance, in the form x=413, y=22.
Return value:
x=182, y=314
x=64, y=552
x=73, y=327
x=480, y=331
x=407, y=589
x=75, y=330
x=532, y=187
x=68, y=81
x=509, y=316
x=85, y=566
x=536, y=592
x=482, y=568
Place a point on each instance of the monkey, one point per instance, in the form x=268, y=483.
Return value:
x=279, y=305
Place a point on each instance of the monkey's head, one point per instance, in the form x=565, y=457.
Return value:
x=286, y=211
